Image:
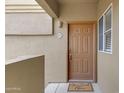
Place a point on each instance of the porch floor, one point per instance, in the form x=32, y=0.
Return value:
x=63, y=88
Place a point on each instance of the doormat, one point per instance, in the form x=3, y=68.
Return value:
x=80, y=87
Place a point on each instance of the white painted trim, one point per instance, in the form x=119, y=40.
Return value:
x=111, y=29
x=98, y=32
x=110, y=6
x=97, y=35
x=103, y=33
x=108, y=30
x=105, y=52
x=21, y=58
x=106, y=10
x=20, y=8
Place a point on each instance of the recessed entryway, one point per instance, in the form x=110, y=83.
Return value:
x=82, y=51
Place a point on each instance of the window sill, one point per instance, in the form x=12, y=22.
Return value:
x=105, y=52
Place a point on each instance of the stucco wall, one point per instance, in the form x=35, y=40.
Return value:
x=51, y=7
x=108, y=64
x=25, y=75
x=78, y=11
x=54, y=49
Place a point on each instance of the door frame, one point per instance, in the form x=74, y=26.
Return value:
x=94, y=49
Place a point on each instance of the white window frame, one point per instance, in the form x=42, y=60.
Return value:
x=104, y=31
x=98, y=33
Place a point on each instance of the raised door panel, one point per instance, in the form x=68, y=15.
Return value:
x=81, y=52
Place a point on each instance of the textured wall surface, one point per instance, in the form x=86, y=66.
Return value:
x=25, y=76
x=108, y=64
x=78, y=12
x=54, y=49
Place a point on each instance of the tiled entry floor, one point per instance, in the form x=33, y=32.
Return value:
x=63, y=88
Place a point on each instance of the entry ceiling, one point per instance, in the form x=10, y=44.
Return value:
x=77, y=1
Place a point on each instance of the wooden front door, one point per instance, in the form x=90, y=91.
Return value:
x=82, y=51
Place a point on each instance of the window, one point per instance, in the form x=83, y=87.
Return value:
x=101, y=34
x=105, y=31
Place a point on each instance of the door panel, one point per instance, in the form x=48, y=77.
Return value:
x=81, y=43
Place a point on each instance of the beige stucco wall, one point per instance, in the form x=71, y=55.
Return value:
x=51, y=7
x=54, y=49
x=78, y=11
x=54, y=5
x=25, y=75
x=108, y=64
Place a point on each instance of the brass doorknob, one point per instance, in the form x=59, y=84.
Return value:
x=70, y=57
